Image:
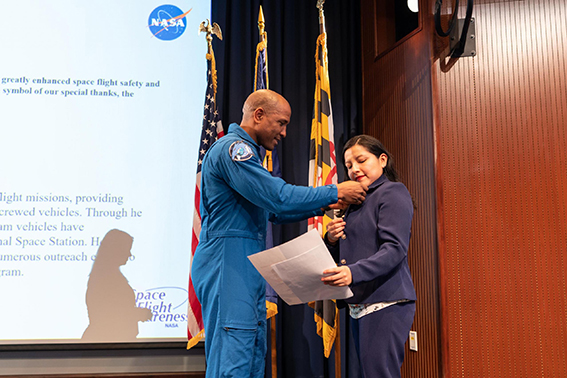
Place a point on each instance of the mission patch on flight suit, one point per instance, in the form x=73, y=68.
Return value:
x=240, y=151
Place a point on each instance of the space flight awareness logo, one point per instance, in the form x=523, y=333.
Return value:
x=167, y=304
x=167, y=22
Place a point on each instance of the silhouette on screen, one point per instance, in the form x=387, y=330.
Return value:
x=111, y=303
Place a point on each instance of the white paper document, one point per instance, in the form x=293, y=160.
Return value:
x=294, y=270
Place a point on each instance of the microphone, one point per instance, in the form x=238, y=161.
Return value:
x=340, y=213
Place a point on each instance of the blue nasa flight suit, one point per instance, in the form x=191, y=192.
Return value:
x=238, y=197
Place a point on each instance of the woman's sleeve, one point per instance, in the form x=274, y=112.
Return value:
x=334, y=249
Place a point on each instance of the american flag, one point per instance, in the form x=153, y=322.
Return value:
x=212, y=130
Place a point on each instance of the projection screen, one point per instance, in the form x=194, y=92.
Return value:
x=101, y=110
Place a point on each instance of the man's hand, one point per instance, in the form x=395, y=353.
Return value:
x=352, y=192
x=340, y=205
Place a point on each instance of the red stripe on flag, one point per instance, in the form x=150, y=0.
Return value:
x=198, y=201
x=195, y=305
x=194, y=242
x=330, y=176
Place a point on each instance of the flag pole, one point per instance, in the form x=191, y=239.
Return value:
x=263, y=45
x=261, y=80
x=321, y=16
x=211, y=130
x=210, y=30
x=262, y=49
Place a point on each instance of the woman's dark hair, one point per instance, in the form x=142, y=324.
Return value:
x=375, y=147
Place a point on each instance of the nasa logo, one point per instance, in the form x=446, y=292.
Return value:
x=167, y=22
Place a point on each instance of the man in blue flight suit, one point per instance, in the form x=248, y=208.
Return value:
x=238, y=197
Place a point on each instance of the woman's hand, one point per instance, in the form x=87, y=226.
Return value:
x=339, y=276
x=335, y=229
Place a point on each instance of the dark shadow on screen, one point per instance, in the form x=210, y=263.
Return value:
x=111, y=302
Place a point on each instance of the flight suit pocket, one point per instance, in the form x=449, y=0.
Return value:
x=243, y=351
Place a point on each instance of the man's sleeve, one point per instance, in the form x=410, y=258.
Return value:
x=290, y=218
x=246, y=176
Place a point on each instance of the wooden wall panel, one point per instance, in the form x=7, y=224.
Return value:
x=397, y=105
x=496, y=211
x=121, y=375
x=502, y=143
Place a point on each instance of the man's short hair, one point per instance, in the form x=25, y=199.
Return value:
x=265, y=99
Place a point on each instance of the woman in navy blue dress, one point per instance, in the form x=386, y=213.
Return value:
x=370, y=245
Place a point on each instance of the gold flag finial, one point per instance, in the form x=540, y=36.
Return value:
x=261, y=22
x=215, y=29
x=321, y=16
x=262, y=47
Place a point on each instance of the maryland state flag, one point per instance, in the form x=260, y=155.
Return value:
x=323, y=171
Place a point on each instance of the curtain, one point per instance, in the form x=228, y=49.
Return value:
x=293, y=27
